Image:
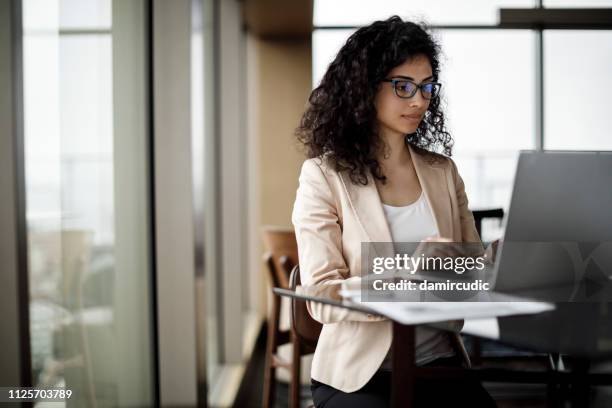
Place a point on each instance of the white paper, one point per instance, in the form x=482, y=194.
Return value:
x=432, y=312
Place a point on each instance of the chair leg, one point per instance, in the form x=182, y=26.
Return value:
x=580, y=386
x=295, y=386
x=476, y=355
x=269, y=391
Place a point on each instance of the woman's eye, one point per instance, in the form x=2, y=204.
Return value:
x=405, y=86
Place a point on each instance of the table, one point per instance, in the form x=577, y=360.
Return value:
x=580, y=330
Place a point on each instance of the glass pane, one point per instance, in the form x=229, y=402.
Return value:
x=87, y=202
x=85, y=14
x=362, y=12
x=490, y=97
x=577, y=89
x=325, y=46
x=577, y=3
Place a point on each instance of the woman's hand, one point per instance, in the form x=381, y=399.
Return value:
x=435, y=246
x=491, y=251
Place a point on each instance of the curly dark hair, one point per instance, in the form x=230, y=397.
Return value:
x=340, y=119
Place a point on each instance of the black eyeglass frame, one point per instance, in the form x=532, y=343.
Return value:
x=394, y=81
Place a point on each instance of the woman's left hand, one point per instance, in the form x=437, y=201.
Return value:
x=491, y=251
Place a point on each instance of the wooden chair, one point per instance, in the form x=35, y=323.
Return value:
x=479, y=216
x=492, y=213
x=280, y=259
x=276, y=337
x=305, y=331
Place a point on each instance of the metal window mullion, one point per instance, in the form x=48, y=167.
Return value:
x=231, y=149
x=152, y=243
x=15, y=336
x=539, y=89
x=539, y=82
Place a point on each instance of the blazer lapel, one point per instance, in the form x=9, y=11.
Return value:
x=367, y=205
x=436, y=189
x=369, y=212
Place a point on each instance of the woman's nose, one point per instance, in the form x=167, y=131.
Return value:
x=417, y=100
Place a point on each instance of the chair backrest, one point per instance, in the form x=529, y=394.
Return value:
x=479, y=215
x=303, y=326
x=282, y=254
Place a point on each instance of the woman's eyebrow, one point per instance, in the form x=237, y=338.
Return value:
x=410, y=78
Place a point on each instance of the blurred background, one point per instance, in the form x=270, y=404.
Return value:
x=148, y=160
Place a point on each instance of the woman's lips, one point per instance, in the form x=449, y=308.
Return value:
x=412, y=117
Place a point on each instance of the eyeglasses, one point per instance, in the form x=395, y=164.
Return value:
x=405, y=88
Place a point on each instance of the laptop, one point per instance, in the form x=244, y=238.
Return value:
x=559, y=228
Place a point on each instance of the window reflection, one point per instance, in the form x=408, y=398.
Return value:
x=89, y=301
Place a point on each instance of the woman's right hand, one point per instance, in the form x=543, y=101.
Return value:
x=436, y=246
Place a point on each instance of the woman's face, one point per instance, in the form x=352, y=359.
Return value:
x=397, y=116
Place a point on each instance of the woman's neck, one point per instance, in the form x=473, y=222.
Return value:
x=395, y=152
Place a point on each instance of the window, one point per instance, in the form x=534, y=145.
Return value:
x=577, y=87
x=86, y=155
x=490, y=107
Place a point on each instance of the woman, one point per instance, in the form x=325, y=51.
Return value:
x=371, y=131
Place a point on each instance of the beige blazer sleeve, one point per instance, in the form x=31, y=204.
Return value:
x=319, y=238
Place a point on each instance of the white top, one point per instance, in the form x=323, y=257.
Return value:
x=412, y=223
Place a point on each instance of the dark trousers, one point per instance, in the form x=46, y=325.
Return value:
x=429, y=393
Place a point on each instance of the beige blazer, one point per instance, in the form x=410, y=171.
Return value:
x=332, y=217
